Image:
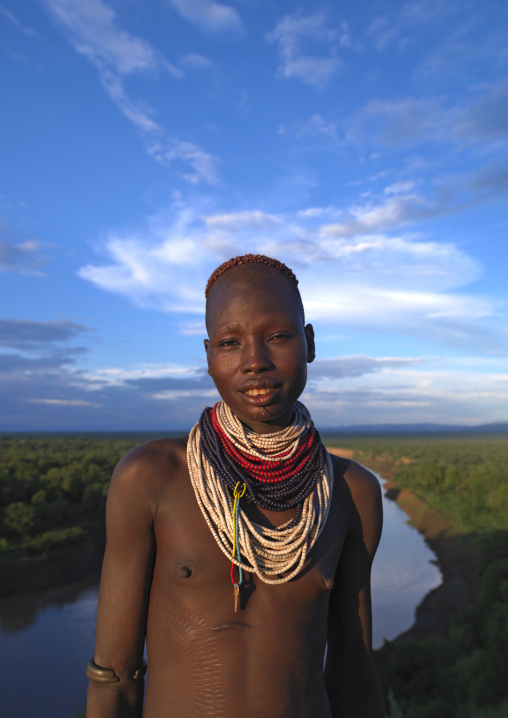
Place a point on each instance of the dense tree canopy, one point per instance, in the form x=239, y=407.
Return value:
x=53, y=489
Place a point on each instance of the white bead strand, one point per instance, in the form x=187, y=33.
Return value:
x=279, y=552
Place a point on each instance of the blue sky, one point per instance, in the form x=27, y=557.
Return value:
x=143, y=142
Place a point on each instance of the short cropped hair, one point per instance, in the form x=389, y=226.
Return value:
x=263, y=260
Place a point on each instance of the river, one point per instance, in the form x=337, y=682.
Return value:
x=47, y=637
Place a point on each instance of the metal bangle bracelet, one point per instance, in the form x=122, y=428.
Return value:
x=98, y=674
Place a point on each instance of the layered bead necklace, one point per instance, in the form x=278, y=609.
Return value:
x=289, y=468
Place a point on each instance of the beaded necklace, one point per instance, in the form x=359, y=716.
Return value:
x=278, y=471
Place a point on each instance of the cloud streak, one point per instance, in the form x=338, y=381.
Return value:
x=291, y=36
x=93, y=31
x=25, y=29
x=209, y=16
x=29, y=335
x=354, y=366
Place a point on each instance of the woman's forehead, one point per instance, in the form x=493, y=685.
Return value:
x=252, y=291
x=252, y=297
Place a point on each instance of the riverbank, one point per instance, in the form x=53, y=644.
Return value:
x=457, y=560
x=452, y=662
x=56, y=568
x=457, y=556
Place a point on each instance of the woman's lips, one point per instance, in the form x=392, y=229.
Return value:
x=258, y=396
x=258, y=392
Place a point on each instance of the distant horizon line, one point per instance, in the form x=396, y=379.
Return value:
x=422, y=427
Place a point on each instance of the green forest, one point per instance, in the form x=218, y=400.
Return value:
x=53, y=490
x=52, y=499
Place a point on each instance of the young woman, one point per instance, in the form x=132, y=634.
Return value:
x=245, y=549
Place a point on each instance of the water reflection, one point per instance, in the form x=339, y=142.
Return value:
x=404, y=571
x=18, y=613
x=47, y=648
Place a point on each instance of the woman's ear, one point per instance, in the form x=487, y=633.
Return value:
x=206, y=343
x=311, y=345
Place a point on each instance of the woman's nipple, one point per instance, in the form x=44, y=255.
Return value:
x=184, y=572
x=328, y=583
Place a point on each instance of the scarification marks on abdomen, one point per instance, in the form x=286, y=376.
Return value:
x=297, y=690
x=199, y=644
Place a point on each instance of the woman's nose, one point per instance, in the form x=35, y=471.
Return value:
x=256, y=357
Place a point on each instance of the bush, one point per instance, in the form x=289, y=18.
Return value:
x=20, y=519
x=54, y=539
x=40, y=497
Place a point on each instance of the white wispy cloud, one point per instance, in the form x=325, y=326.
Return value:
x=399, y=187
x=120, y=376
x=157, y=267
x=171, y=151
x=209, y=16
x=94, y=32
x=292, y=35
x=317, y=126
x=195, y=61
x=393, y=212
x=317, y=212
x=138, y=112
x=235, y=221
x=176, y=394
x=64, y=402
x=193, y=328
x=405, y=283
x=438, y=315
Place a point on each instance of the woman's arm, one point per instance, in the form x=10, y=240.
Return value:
x=350, y=675
x=125, y=588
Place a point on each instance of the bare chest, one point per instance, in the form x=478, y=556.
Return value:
x=276, y=638
x=191, y=566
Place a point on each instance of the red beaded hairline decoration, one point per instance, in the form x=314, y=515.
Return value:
x=250, y=259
